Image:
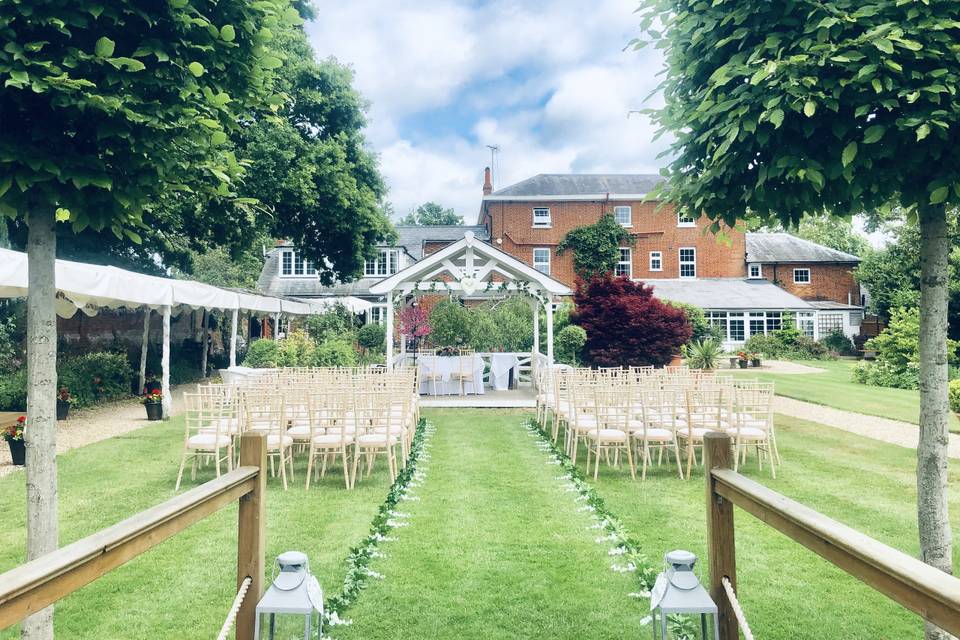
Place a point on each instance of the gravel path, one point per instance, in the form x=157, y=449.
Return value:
x=98, y=423
x=895, y=432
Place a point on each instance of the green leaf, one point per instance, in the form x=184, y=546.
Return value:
x=776, y=117
x=196, y=69
x=210, y=123
x=218, y=137
x=849, y=153
x=133, y=235
x=62, y=215
x=228, y=33
x=104, y=47
x=877, y=86
x=809, y=108
x=923, y=131
x=939, y=195
x=178, y=4
x=884, y=45
x=874, y=133
x=271, y=62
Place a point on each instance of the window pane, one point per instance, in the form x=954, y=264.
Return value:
x=287, y=263
x=622, y=214
x=297, y=265
x=541, y=216
x=688, y=263
x=656, y=261
x=773, y=321
x=736, y=329
x=541, y=260
x=801, y=276
x=394, y=260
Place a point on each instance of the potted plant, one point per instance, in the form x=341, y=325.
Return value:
x=755, y=359
x=153, y=401
x=64, y=400
x=14, y=437
x=704, y=354
x=743, y=359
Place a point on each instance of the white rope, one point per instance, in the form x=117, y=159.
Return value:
x=737, y=610
x=232, y=616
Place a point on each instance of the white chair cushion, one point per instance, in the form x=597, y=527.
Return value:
x=299, y=431
x=750, y=433
x=275, y=442
x=697, y=432
x=208, y=441
x=373, y=439
x=332, y=439
x=653, y=433
x=609, y=435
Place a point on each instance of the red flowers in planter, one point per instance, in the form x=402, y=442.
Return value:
x=15, y=431
x=152, y=396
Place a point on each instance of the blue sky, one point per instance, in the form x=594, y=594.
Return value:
x=548, y=82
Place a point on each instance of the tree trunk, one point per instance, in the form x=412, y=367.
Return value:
x=204, y=338
x=936, y=546
x=40, y=435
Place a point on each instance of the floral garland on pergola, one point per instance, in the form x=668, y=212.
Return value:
x=521, y=287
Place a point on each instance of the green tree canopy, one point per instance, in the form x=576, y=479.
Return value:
x=596, y=247
x=431, y=213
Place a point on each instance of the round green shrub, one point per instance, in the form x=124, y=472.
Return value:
x=263, y=354
x=372, y=337
x=954, y=395
x=335, y=352
x=568, y=344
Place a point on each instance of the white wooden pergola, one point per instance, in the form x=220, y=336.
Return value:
x=473, y=268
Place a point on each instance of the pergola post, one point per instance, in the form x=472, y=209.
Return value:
x=536, y=338
x=233, y=337
x=390, y=330
x=204, y=337
x=167, y=404
x=276, y=327
x=549, y=306
x=143, y=348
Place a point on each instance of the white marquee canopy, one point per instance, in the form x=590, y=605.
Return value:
x=473, y=268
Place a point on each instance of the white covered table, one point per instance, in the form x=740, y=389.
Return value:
x=234, y=375
x=500, y=366
x=447, y=367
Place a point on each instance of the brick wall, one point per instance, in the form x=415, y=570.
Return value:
x=827, y=281
x=654, y=230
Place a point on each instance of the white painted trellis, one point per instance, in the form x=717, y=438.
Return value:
x=471, y=267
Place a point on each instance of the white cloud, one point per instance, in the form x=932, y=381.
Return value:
x=547, y=82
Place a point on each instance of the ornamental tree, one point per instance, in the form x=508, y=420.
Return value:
x=626, y=325
x=107, y=109
x=431, y=213
x=596, y=247
x=781, y=109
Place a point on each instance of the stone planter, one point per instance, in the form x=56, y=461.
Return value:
x=18, y=452
x=733, y=362
x=154, y=410
x=63, y=410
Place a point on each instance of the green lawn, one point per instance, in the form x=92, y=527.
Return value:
x=495, y=548
x=836, y=388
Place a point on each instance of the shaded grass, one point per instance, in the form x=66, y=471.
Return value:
x=835, y=388
x=184, y=587
x=496, y=548
x=787, y=591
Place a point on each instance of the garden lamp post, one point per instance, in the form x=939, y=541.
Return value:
x=678, y=594
x=292, y=608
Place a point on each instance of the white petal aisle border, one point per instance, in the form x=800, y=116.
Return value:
x=627, y=552
x=387, y=519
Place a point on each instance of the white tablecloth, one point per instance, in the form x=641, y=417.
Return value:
x=500, y=366
x=446, y=367
x=233, y=375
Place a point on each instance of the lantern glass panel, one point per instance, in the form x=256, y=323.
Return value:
x=289, y=626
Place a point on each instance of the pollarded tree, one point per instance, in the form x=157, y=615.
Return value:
x=781, y=109
x=106, y=107
x=626, y=325
x=596, y=247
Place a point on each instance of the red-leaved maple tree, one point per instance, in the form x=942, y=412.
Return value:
x=626, y=325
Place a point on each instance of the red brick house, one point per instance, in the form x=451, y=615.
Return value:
x=745, y=281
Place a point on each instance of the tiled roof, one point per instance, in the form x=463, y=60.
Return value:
x=727, y=293
x=784, y=247
x=412, y=238
x=580, y=184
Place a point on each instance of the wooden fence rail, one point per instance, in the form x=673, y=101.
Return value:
x=928, y=592
x=41, y=582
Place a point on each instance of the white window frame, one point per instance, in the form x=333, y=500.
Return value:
x=542, y=223
x=299, y=267
x=800, y=270
x=688, y=262
x=684, y=221
x=806, y=322
x=755, y=276
x=620, y=209
x=535, y=262
x=384, y=265
x=621, y=263
x=658, y=256
x=378, y=314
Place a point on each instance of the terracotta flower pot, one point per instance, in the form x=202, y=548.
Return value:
x=677, y=360
x=154, y=410
x=63, y=409
x=18, y=452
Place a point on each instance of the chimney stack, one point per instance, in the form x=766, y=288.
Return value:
x=487, y=181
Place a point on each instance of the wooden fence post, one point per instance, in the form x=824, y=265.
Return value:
x=721, y=547
x=251, y=533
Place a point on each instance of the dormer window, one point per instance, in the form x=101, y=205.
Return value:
x=385, y=264
x=292, y=265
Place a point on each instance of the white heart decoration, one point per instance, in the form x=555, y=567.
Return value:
x=468, y=284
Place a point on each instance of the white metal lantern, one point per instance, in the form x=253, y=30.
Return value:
x=292, y=608
x=678, y=594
